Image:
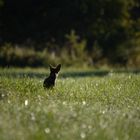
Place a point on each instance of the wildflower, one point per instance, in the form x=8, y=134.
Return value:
x=84, y=102
x=26, y=102
x=64, y=103
x=47, y=130
x=83, y=135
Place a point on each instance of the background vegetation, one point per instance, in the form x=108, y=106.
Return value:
x=94, y=32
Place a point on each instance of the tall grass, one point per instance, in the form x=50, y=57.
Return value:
x=91, y=105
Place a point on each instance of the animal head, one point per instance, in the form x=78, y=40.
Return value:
x=55, y=69
x=49, y=82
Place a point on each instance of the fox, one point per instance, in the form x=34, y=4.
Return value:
x=49, y=82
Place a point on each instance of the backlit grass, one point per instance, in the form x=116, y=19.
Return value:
x=85, y=104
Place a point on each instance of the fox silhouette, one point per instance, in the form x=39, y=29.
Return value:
x=49, y=82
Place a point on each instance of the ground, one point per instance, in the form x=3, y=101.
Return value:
x=85, y=104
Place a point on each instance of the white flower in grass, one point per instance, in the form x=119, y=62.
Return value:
x=47, y=130
x=83, y=135
x=26, y=102
x=2, y=95
x=130, y=76
x=84, y=102
x=96, y=84
x=64, y=103
x=9, y=101
x=89, y=127
x=103, y=112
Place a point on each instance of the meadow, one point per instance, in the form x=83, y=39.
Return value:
x=85, y=104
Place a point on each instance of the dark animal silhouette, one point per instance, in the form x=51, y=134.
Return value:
x=49, y=82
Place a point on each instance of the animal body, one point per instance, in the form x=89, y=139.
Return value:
x=49, y=82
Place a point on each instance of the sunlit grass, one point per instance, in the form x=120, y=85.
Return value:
x=88, y=104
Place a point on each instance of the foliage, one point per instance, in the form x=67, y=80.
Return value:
x=1, y=3
x=22, y=56
x=16, y=56
x=84, y=105
x=129, y=53
x=71, y=54
x=75, y=46
x=94, y=19
x=108, y=24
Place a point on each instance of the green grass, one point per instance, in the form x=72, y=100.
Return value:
x=85, y=104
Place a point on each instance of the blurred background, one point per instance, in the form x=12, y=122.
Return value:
x=80, y=33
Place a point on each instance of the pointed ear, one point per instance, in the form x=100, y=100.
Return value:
x=58, y=67
x=50, y=66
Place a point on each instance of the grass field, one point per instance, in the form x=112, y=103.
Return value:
x=85, y=104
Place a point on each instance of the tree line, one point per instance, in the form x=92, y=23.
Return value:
x=111, y=26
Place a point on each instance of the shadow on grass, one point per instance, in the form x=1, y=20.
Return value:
x=73, y=74
x=84, y=74
x=23, y=74
x=99, y=73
